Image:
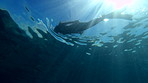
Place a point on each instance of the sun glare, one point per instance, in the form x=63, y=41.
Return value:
x=118, y=4
x=106, y=20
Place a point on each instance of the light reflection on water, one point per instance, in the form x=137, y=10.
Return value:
x=134, y=32
x=124, y=32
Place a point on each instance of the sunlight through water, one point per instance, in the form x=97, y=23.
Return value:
x=74, y=41
x=118, y=4
x=113, y=31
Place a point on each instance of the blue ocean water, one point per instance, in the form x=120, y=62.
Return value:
x=47, y=14
x=113, y=51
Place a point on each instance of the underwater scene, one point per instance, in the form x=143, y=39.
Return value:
x=73, y=41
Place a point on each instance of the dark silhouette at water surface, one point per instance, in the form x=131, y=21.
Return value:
x=79, y=27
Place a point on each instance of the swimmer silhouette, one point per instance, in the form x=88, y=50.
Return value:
x=79, y=27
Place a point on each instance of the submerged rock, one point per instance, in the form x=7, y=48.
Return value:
x=8, y=24
x=22, y=58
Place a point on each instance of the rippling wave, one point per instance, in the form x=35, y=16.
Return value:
x=135, y=34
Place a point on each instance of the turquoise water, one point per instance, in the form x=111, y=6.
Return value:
x=113, y=51
x=46, y=15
